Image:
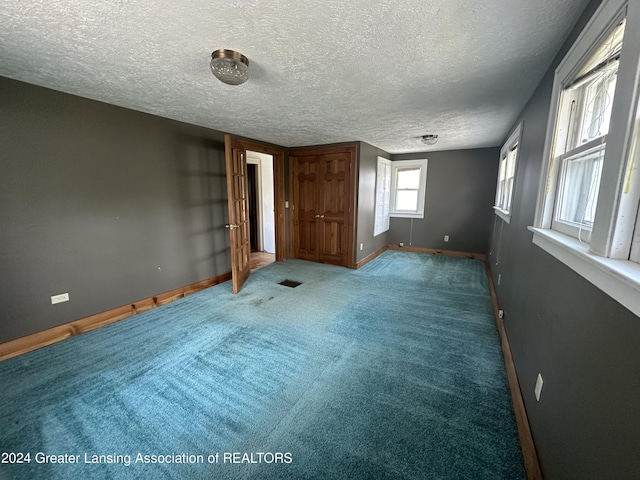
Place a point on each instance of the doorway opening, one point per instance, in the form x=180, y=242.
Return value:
x=262, y=219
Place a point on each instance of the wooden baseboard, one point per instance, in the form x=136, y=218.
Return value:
x=37, y=340
x=529, y=454
x=371, y=256
x=446, y=253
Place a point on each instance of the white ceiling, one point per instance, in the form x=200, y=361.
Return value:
x=384, y=72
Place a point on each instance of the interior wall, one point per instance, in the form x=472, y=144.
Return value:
x=367, y=175
x=107, y=204
x=461, y=186
x=583, y=343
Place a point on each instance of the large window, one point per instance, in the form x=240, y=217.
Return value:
x=507, y=174
x=581, y=136
x=589, y=193
x=383, y=196
x=408, y=188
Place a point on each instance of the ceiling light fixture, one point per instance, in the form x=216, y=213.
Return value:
x=430, y=139
x=229, y=66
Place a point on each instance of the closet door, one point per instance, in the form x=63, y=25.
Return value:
x=323, y=204
x=305, y=182
x=333, y=207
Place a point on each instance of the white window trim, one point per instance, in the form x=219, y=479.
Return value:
x=514, y=139
x=399, y=164
x=382, y=197
x=604, y=262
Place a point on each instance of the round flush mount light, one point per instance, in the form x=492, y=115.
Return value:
x=430, y=139
x=229, y=66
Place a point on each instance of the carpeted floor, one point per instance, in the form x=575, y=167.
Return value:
x=393, y=371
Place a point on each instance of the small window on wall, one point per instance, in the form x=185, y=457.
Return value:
x=507, y=175
x=408, y=188
x=383, y=196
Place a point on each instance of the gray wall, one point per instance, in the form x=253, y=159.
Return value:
x=461, y=188
x=367, y=174
x=585, y=345
x=104, y=203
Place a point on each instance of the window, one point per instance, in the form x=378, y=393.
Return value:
x=581, y=136
x=507, y=174
x=383, y=196
x=408, y=188
x=589, y=194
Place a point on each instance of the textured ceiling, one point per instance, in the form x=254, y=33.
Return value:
x=384, y=72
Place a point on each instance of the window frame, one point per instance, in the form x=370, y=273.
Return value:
x=500, y=208
x=422, y=189
x=605, y=261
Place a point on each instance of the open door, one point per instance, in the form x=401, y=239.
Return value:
x=238, y=199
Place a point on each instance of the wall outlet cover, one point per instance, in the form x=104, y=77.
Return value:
x=62, y=297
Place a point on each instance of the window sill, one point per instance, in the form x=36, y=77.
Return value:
x=406, y=215
x=503, y=214
x=619, y=279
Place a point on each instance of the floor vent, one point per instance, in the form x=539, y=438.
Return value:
x=290, y=283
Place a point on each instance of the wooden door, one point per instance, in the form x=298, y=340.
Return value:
x=333, y=207
x=238, y=199
x=305, y=194
x=323, y=193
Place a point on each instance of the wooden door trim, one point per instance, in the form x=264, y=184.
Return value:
x=354, y=205
x=278, y=155
x=353, y=150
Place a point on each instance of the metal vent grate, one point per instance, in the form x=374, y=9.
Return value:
x=290, y=283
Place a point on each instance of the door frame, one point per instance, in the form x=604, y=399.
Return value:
x=257, y=163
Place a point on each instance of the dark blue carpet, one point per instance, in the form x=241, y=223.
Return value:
x=393, y=371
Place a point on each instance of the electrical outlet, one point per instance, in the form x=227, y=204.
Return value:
x=361, y=246
x=538, y=389
x=401, y=244
x=63, y=297
x=446, y=238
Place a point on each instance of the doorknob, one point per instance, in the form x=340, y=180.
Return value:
x=232, y=226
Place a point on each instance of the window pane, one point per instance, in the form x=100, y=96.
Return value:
x=407, y=200
x=503, y=194
x=503, y=169
x=383, y=196
x=580, y=185
x=408, y=178
x=597, y=108
x=508, y=194
x=511, y=162
x=610, y=46
x=590, y=95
